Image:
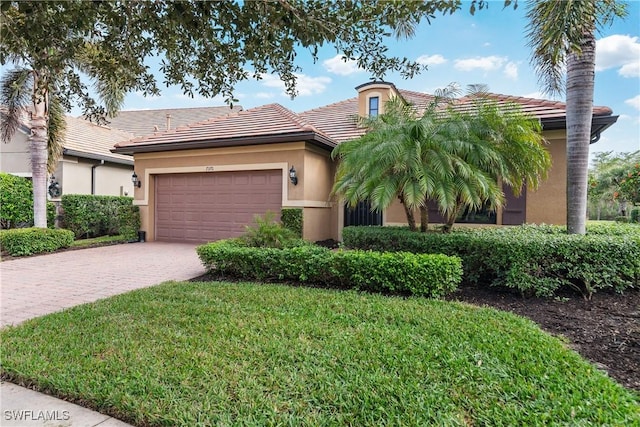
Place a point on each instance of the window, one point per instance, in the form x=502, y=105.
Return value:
x=373, y=106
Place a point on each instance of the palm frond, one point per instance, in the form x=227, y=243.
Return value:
x=56, y=134
x=16, y=91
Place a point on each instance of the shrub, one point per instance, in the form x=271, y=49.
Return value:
x=268, y=233
x=129, y=221
x=52, y=212
x=16, y=201
x=635, y=215
x=291, y=218
x=92, y=216
x=622, y=219
x=533, y=260
x=405, y=273
x=29, y=241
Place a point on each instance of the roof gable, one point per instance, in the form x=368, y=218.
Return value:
x=241, y=128
x=86, y=139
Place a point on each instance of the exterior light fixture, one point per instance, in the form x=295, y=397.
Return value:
x=54, y=189
x=135, y=180
x=293, y=176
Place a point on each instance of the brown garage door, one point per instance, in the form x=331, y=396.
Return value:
x=200, y=207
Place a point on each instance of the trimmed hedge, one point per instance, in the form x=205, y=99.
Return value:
x=291, y=218
x=16, y=201
x=534, y=260
x=29, y=241
x=93, y=216
x=401, y=272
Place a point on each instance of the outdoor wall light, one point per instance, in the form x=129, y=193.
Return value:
x=135, y=180
x=293, y=176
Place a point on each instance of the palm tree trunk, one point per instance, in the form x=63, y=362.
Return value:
x=451, y=217
x=411, y=219
x=424, y=218
x=38, y=149
x=580, y=86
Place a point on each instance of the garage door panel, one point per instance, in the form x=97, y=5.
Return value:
x=202, y=207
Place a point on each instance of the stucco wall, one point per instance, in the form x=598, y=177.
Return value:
x=14, y=155
x=383, y=91
x=313, y=167
x=111, y=179
x=549, y=203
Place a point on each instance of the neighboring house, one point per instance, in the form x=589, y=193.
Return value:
x=87, y=165
x=205, y=181
x=145, y=122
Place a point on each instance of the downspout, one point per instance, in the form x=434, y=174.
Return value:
x=93, y=176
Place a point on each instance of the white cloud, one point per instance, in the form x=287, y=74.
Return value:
x=431, y=59
x=486, y=63
x=511, y=71
x=619, y=51
x=339, y=66
x=634, y=102
x=264, y=95
x=306, y=85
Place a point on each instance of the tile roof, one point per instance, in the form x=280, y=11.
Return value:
x=329, y=125
x=243, y=126
x=145, y=122
x=87, y=139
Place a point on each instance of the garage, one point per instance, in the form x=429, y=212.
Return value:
x=201, y=207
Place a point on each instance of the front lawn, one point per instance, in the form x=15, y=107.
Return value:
x=202, y=353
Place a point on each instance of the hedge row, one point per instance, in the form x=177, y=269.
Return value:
x=29, y=241
x=534, y=260
x=93, y=216
x=405, y=273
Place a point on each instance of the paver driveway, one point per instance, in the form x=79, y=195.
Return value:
x=34, y=286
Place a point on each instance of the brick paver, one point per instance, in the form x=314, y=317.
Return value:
x=34, y=286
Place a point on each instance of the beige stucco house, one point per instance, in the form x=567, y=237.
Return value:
x=87, y=165
x=205, y=181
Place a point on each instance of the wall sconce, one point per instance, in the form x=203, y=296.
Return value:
x=293, y=176
x=135, y=180
x=54, y=189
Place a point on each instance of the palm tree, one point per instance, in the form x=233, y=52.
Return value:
x=30, y=92
x=453, y=157
x=563, y=33
x=26, y=92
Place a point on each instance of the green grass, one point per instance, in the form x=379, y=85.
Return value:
x=199, y=354
x=96, y=241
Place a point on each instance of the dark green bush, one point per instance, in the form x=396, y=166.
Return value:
x=533, y=260
x=622, y=219
x=268, y=233
x=405, y=273
x=635, y=215
x=16, y=201
x=291, y=218
x=129, y=217
x=51, y=215
x=93, y=216
x=29, y=241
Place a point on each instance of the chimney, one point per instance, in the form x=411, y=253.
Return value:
x=168, y=121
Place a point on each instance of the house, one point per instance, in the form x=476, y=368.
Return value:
x=205, y=181
x=87, y=165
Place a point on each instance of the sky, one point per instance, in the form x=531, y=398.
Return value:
x=489, y=48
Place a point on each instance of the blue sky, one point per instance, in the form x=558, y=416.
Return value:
x=488, y=48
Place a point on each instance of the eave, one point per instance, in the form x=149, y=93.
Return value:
x=598, y=125
x=307, y=136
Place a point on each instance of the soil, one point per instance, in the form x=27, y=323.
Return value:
x=604, y=330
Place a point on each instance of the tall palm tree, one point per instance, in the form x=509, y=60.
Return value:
x=563, y=33
x=31, y=92
x=27, y=92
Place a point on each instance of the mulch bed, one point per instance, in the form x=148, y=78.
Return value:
x=604, y=330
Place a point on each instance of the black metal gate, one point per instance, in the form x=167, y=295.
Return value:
x=361, y=215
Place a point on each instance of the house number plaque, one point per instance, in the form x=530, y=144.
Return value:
x=209, y=169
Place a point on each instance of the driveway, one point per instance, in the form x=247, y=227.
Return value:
x=38, y=285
